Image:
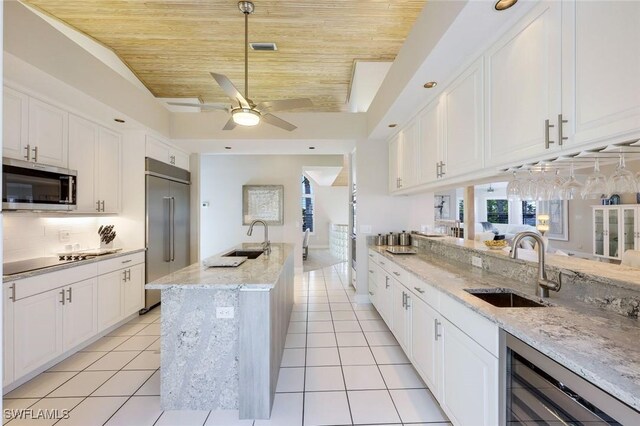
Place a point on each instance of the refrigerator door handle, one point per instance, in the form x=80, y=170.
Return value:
x=168, y=229
x=172, y=235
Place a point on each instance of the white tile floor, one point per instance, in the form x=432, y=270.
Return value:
x=341, y=366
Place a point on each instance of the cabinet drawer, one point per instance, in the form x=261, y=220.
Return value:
x=425, y=292
x=110, y=265
x=398, y=273
x=374, y=257
x=477, y=327
x=45, y=282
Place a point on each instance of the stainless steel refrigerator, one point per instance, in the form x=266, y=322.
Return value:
x=167, y=223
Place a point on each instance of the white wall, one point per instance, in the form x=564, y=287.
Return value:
x=222, y=177
x=377, y=209
x=331, y=206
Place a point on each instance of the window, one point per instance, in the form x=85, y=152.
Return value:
x=529, y=213
x=461, y=210
x=307, y=204
x=498, y=211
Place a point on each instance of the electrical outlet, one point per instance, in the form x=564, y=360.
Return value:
x=476, y=261
x=64, y=235
x=226, y=312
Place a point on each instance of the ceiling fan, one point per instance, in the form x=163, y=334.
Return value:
x=243, y=111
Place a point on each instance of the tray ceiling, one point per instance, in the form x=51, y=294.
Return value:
x=173, y=45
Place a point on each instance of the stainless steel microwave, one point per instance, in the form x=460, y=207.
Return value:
x=34, y=186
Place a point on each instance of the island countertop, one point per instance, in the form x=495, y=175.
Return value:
x=254, y=274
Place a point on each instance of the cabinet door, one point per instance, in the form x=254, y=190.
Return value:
x=409, y=155
x=629, y=227
x=157, y=150
x=470, y=393
x=7, y=333
x=394, y=163
x=613, y=233
x=399, y=313
x=523, y=86
x=424, y=343
x=181, y=159
x=82, y=157
x=601, y=89
x=38, y=330
x=373, y=285
x=386, y=298
x=15, y=128
x=430, y=142
x=80, y=313
x=48, y=133
x=109, y=170
x=598, y=232
x=109, y=299
x=464, y=123
x=133, y=290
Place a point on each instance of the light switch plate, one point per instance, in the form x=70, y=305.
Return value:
x=476, y=261
x=226, y=312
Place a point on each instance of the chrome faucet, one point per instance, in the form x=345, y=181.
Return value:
x=266, y=244
x=544, y=285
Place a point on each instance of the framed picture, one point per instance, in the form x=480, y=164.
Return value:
x=441, y=206
x=558, y=211
x=264, y=202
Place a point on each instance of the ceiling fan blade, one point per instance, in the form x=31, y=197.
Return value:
x=230, y=89
x=278, y=122
x=223, y=107
x=230, y=124
x=284, y=104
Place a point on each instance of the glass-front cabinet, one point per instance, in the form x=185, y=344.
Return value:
x=615, y=230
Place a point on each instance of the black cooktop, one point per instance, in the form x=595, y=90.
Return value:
x=22, y=266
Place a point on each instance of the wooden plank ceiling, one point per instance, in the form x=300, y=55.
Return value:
x=172, y=45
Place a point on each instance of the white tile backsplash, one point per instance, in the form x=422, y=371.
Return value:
x=28, y=236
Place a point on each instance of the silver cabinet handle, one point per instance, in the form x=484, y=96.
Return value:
x=98, y=205
x=128, y=274
x=173, y=228
x=102, y=203
x=561, y=137
x=547, y=128
x=12, y=296
x=399, y=182
x=126, y=261
x=167, y=224
x=419, y=290
x=407, y=305
x=370, y=255
x=386, y=281
x=69, y=294
x=436, y=323
x=382, y=263
x=62, y=300
x=397, y=274
x=71, y=183
x=371, y=271
x=404, y=299
x=28, y=149
x=442, y=166
x=437, y=170
x=371, y=293
x=124, y=276
x=35, y=154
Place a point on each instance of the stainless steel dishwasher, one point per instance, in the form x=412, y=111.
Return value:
x=542, y=392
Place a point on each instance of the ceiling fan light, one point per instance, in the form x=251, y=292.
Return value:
x=245, y=117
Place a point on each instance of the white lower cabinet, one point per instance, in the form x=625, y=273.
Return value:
x=401, y=326
x=120, y=294
x=469, y=384
x=133, y=290
x=8, y=296
x=424, y=344
x=80, y=313
x=38, y=330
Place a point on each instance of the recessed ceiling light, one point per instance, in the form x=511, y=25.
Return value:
x=312, y=147
x=227, y=147
x=504, y=4
x=430, y=85
x=392, y=125
x=118, y=120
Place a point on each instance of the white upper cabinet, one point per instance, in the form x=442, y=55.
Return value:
x=430, y=143
x=161, y=151
x=464, y=123
x=409, y=155
x=95, y=152
x=601, y=69
x=15, y=129
x=48, y=137
x=395, y=145
x=523, y=86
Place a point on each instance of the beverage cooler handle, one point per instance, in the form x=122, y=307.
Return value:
x=168, y=229
x=70, y=196
x=172, y=235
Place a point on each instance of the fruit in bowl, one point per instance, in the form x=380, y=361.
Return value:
x=496, y=244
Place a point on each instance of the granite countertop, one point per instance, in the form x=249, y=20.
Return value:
x=598, y=345
x=254, y=274
x=67, y=265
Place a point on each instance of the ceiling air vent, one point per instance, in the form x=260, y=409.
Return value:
x=264, y=47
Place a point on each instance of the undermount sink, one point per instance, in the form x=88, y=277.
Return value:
x=505, y=298
x=249, y=254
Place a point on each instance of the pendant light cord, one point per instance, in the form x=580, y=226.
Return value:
x=246, y=56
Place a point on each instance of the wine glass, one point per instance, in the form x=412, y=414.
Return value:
x=622, y=181
x=572, y=187
x=514, y=188
x=596, y=186
x=528, y=190
x=543, y=187
x=557, y=183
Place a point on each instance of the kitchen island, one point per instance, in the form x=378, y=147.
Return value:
x=223, y=332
